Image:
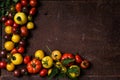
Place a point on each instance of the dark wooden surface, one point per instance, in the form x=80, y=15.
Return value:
x=89, y=27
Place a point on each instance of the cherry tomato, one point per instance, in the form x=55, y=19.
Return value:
x=4, y=19
x=33, y=3
x=15, y=25
x=21, y=49
x=9, y=22
x=7, y=37
x=15, y=30
x=24, y=2
x=3, y=64
x=14, y=50
x=25, y=10
x=22, y=43
x=43, y=72
x=85, y=64
x=32, y=11
x=10, y=15
x=27, y=59
x=78, y=58
x=18, y=7
x=17, y=73
x=3, y=53
x=24, y=71
x=24, y=31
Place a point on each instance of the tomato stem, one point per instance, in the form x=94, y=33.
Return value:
x=19, y=18
x=49, y=49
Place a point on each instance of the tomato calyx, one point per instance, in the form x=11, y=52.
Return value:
x=19, y=18
x=67, y=61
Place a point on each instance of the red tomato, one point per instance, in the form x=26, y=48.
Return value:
x=24, y=2
x=26, y=59
x=85, y=64
x=32, y=11
x=43, y=72
x=33, y=3
x=2, y=64
x=14, y=51
x=21, y=49
x=18, y=7
x=9, y=22
x=15, y=25
x=78, y=58
x=24, y=31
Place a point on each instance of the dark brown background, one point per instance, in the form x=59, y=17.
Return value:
x=89, y=27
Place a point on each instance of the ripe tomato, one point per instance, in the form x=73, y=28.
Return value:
x=78, y=58
x=21, y=49
x=9, y=22
x=15, y=38
x=10, y=66
x=33, y=3
x=3, y=64
x=43, y=72
x=56, y=55
x=15, y=25
x=85, y=64
x=32, y=11
x=8, y=30
x=17, y=72
x=24, y=31
x=9, y=45
x=30, y=25
x=24, y=2
x=39, y=54
x=26, y=59
x=63, y=69
x=14, y=51
x=34, y=66
x=18, y=7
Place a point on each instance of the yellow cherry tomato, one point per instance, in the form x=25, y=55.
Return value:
x=10, y=66
x=56, y=55
x=20, y=18
x=17, y=59
x=39, y=54
x=30, y=25
x=47, y=62
x=8, y=29
x=58, y=65
x=63, y=69
x=8, y=45
x=49, y=71
x=15, y=38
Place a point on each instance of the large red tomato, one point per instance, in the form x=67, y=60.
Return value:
x=34, y=66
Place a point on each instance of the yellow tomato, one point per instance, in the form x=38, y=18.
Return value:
x=58, y=65
x=15, y=38
x=17, y=59
x=47, y=62
x=39, y=54
x=29, y=18
x=10, y=66
x=30, y=25
x=63, y=69
x=49, y=71
x=20, y=18
x=8, y=29
x=56, y=55
x=9, y=45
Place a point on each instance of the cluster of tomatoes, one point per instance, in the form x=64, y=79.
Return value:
x=17, y=24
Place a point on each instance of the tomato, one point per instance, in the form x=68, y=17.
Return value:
x=49, y=71
x=22, y=43
x=32, y=11
x=25, y=10
x=30, y=25
x=26, y=59
x=7, y=37
x=30, y=18
x=18, y=7
x=10, y=66
x=15, y=25
x=15, y=30
x=39, y=54
x=78, y=58
x=9, y=22
x=33, y=3
x=67, y=59
x=12, y=8
x=63, y=69
x=3, y=54
x=17, y=59
x=20, y=18
x=74, y=71
x=17, y=72
x=56, y=55
x=43, y=72
x=47, y=62
x=4, y=19
x=85, y=64
x=58, y=65
x=24, y=71
x=8, y=45
x=21, y=49
x=8, y=30
x=34, y=66
x=24, y=2
x=15, y=38
x=10, y=15
x=24, y=31
x=3, y=64
x=14, y=51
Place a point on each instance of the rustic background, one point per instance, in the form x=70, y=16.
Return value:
x=89, y=27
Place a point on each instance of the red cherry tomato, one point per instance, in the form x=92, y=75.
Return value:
x=43, y=72
x=14, y=51
x=85, y=64
x=21, y=49
x=2, y=64
x=15, y=25
x=9, y=22
x=24, y=2
x=78, y=58
x=24, y=31
x=18, y=7
x=26, y=59
x=33, y=3
x=32, y=11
